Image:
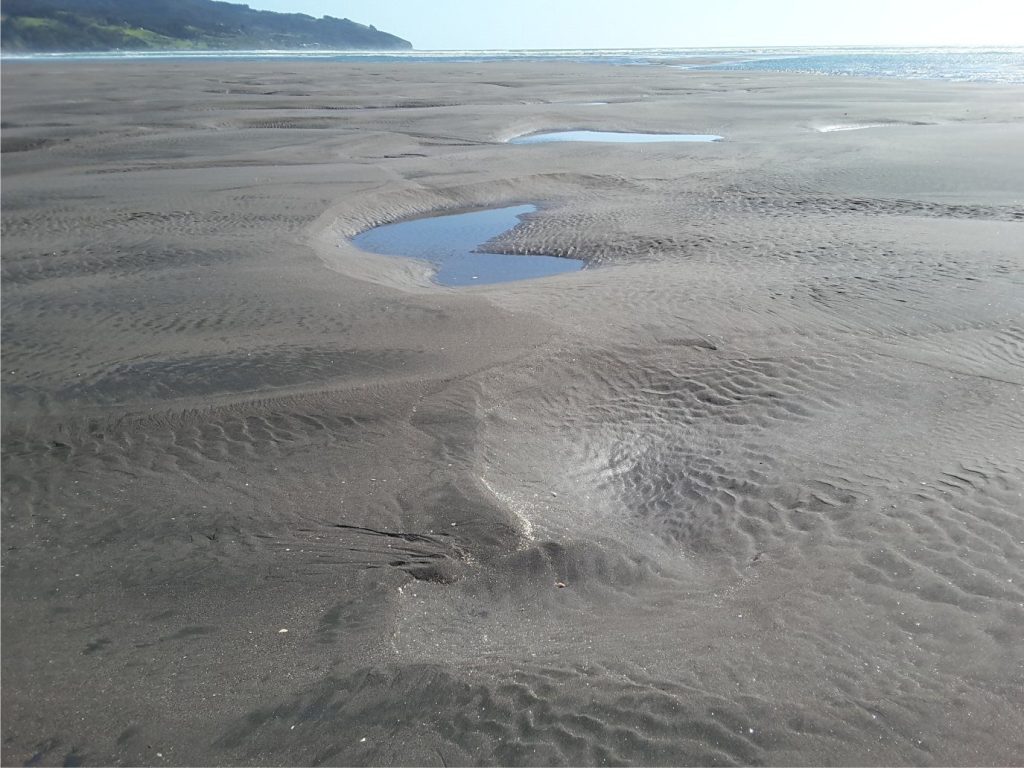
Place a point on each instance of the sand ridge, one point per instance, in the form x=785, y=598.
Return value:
x=770, y=442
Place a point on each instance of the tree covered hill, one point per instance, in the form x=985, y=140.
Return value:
x=106, y=25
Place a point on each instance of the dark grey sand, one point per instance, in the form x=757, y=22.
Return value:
x=772, y=443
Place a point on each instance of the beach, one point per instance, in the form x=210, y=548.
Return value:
x=746, y=489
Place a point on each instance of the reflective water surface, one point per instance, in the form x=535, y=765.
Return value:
x=611, y=136
x=451, y=242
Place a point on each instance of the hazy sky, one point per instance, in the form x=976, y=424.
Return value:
x=476, y=24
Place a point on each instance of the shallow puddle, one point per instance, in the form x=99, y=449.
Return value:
x=612, y=136
x=862, y=126
x=451, y=242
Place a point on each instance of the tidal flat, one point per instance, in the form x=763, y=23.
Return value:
x=745, y=490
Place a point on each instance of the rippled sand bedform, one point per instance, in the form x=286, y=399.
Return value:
x=771, y=442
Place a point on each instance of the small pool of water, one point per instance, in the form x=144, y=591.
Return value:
x=862, y=126
x=451, y=242
x=612, y=136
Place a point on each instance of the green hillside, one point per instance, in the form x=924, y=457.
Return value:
x=108, y=25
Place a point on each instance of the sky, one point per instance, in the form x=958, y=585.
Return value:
x=501, y=24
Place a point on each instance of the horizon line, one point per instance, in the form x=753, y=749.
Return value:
x=406, y=51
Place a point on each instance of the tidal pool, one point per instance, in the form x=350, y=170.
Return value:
x=612, y=136
x=451, y=244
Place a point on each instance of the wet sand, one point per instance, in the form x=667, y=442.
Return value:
x=747, y=489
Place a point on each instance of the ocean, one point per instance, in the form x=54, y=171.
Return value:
x=999, y=65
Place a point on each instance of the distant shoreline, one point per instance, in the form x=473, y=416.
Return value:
x=982, y=64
